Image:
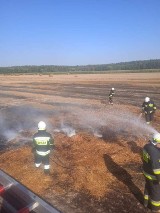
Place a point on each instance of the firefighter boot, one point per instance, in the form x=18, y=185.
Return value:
x=145, y=199
x=145, y=203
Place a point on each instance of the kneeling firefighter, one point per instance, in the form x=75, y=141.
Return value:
x=151, y=171
x=42, y=144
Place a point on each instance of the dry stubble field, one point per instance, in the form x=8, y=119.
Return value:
x=89, y=174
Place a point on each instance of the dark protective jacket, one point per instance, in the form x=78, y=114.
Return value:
x=111, y=94
x=151, y=162
x=148, y=107
x=43, y=142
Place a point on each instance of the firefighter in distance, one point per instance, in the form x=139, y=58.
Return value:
x=148, y=108
x=43, y=142
x=111, y=94
x=151, y=172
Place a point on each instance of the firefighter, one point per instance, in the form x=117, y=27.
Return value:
x=111, y=94
x=149, y=108
x=151, y=172
x=42, y=143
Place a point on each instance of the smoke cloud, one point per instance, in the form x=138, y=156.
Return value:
x=117, y=120
x=70, y=120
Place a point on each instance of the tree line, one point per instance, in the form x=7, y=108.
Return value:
x=149, y=65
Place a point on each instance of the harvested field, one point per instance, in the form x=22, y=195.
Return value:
x=97, y=170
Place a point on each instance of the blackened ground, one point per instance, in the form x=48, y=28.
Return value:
x=88, y=174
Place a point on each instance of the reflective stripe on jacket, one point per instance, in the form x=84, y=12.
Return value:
x=43, y=142
x=148, y=176
x=148, y=107
x=151, y=162
x=43, y=153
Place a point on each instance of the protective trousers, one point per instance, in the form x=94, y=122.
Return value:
x=148, y=117
x=152, y=195
x=42, y=159
x=110, y=99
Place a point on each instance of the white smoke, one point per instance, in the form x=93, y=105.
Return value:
x=66, y=129
x=10, y=134
x=117, y=120
x=69, y=131
x=16, y=120
x=95, y=120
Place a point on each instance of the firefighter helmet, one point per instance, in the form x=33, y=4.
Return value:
x=156, y=137
x=112, y=88
x=41, y=125
x=147, y=99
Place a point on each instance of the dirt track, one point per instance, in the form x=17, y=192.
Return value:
x=88, y=174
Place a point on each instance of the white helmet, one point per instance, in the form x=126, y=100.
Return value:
x=41, y=125
x=156, y=137
x=147, y=99
x=112, y=88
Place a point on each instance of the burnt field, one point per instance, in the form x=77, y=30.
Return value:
x=96, y=170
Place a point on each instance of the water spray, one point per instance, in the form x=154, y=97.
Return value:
x=94, y=120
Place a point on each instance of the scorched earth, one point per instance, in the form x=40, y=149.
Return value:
x=96, y=170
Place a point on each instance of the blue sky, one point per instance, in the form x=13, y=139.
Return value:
x=78, y=32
